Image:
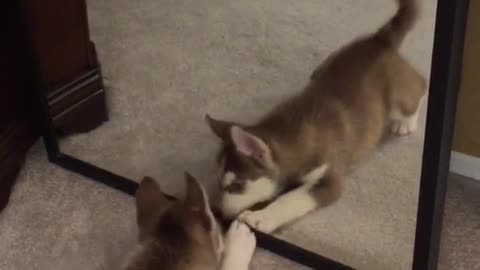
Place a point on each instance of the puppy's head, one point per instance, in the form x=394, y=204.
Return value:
x=248, y=170
x=176, y=234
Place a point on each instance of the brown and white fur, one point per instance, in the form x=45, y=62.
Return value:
x=295, y=157
x=184, y=235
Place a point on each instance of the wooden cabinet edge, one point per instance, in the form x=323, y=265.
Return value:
x=15, y=142
x=79, y=105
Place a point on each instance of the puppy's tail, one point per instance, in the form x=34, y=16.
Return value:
x=394, y=31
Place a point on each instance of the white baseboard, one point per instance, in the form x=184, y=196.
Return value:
x=465, y=165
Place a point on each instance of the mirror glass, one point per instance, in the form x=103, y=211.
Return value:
x=317, y=120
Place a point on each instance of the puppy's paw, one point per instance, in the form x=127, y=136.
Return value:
x=240, y=243
x=404, y=127
x=259, y=220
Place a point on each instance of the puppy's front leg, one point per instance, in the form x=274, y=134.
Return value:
x=295, y=204
x=240, y=244
x=284, y=209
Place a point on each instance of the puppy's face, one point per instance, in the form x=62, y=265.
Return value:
x=247, y=170
x=176, y=235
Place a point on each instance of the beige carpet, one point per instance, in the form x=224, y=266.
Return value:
x=166, y=64
x=57, y=220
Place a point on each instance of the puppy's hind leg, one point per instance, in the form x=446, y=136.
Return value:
x=404, y=124
x=329, y=189
x=406, y=108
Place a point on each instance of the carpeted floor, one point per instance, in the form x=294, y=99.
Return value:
x=57, y=220
x=166, y=64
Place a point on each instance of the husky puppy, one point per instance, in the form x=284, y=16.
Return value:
x=295, y=157
x=184, y=235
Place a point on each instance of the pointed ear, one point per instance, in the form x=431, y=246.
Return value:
x=251, y=146
x=196, y=198
x=220, y=128
x=196, y=202
x=150, y=203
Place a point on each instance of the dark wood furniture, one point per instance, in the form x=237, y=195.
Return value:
x=67, y=58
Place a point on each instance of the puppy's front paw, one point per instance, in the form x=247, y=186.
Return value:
x=259, y=220
x=240, y=244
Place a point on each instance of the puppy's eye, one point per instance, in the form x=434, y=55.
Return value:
x=257, y=164
x=235, y=187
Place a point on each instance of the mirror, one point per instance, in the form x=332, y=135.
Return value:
x=304, y=127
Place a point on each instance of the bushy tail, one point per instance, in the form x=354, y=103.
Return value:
x=394, y=31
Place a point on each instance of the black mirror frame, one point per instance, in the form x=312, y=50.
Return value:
x=444, y=85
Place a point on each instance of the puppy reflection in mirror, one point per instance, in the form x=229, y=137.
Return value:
x=184, y=235
x=296, y=155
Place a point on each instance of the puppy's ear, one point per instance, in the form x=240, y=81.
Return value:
x=150, y=203
x=252, y=147
x=220, y=128
x=196, y=201
x=196, y=197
